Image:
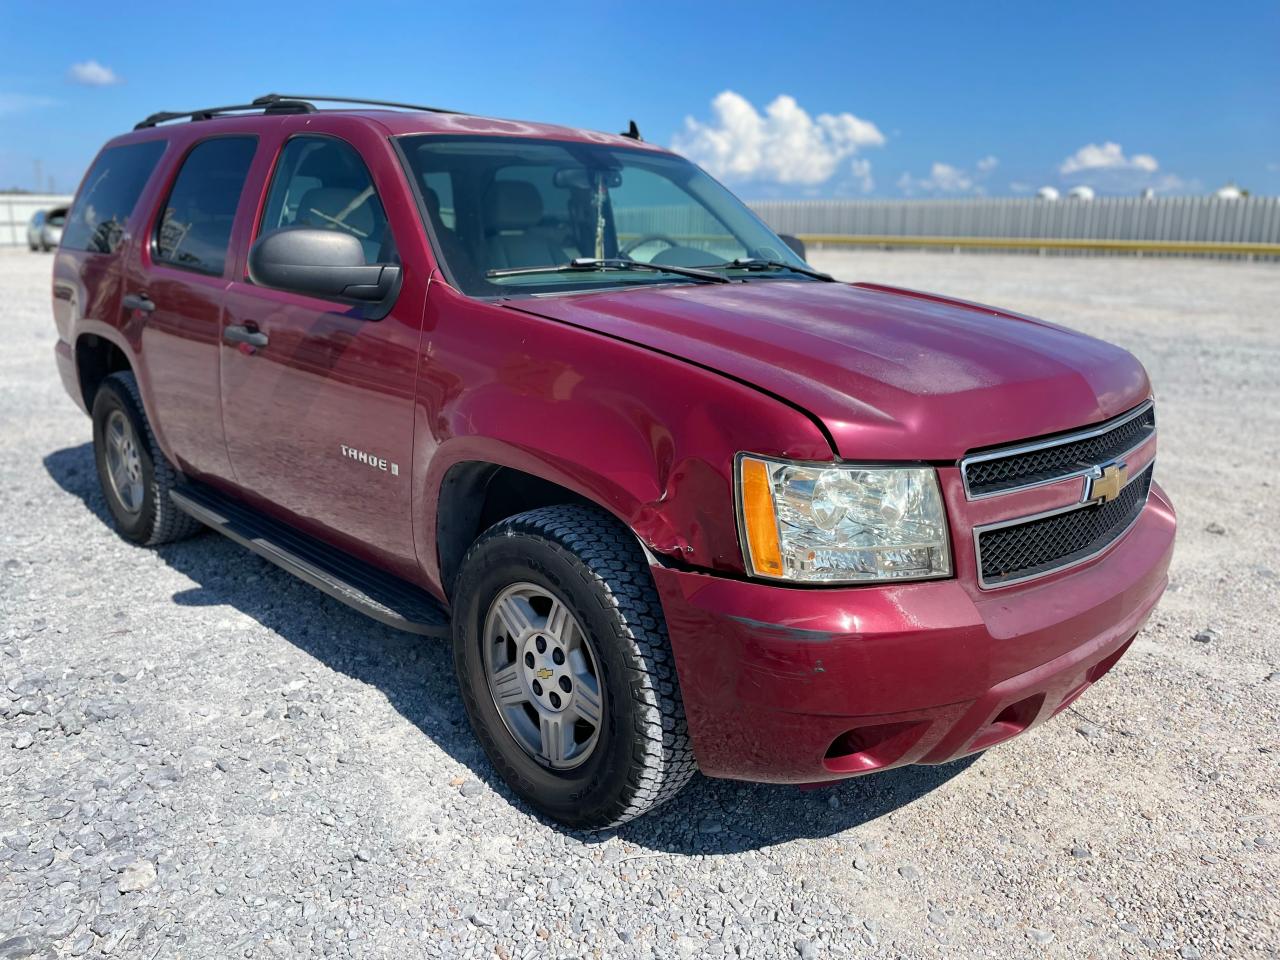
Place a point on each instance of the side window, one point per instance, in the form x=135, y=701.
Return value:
x=321, y=182
x=111, y=189
x=195, y=227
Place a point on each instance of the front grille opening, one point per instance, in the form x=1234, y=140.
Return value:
x=1001, y=474
x=1024, y=550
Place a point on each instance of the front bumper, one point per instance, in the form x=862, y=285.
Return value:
x=795, y=685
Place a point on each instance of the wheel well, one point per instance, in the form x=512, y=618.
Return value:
x=96, y=359
x=474, y=496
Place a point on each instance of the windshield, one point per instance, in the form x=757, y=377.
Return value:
x=499, y=205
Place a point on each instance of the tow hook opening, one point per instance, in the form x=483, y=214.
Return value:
x=1009, y=722
x=864, y=749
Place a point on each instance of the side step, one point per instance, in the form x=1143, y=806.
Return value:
x=382, y=596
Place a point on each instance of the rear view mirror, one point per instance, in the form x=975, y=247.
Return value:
x=795, y=243
x=323, y=263
x=580, y=178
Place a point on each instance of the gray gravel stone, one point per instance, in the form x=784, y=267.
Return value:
x=18, y=947
x=135, y=876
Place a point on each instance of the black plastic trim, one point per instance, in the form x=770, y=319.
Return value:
x=375, y=593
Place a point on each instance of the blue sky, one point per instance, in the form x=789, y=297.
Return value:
x=776, y=99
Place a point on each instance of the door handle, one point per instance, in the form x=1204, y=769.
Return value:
x=138, y=301
x=238, y=334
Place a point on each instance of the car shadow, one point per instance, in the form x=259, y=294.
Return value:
x=415, y=674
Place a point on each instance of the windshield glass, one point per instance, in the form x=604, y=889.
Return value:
x=500, y=204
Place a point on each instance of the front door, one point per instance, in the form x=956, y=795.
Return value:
x=319, y=418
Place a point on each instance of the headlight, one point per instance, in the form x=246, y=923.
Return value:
x=841, y=524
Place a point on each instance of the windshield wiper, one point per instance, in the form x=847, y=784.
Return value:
x=592, y=264
x=758, y=263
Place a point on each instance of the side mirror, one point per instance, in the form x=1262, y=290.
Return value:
x=795, y=243
x=322, y=263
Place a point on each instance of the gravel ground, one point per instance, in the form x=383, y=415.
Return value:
x=202, y=757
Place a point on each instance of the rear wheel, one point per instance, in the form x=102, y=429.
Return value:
x=566, y=671
x=135, y=476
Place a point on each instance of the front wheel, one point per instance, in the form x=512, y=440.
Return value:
x=567, y=675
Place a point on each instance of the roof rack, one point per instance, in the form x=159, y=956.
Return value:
x=304, y=103
x=272, y=98
x=277, y=105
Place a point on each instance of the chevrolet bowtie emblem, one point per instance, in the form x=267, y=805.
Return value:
x=544, y=674
x=1106, y=482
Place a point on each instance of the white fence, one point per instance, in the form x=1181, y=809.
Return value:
x=1162, y=220
x=16, y=210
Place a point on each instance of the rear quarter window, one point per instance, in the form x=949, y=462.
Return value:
x=111, y=189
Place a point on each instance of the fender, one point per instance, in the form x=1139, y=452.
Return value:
x=547, y=399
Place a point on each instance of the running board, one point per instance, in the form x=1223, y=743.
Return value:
x=382, y=596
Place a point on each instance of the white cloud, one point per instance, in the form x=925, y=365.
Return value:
x=860, y=167
x=1107, y=156
x=1017, y=186
x=784, y=144
x=947, y=178
x=21, y=102
x=93, y=74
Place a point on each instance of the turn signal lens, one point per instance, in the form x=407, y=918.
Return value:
x=759, y=520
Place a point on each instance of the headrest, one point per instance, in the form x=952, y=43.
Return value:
x=432, y=200
x=511, y=205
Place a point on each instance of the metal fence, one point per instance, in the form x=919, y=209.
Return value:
x=1124, y=222
x=16, y=210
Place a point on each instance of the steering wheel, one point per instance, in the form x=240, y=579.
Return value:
x=647, y=238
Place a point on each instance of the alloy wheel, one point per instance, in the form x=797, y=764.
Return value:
x=543, y=675
x=124, y=462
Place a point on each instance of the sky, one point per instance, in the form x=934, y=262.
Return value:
x=777, y=100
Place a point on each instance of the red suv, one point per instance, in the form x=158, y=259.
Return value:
x=682, y=501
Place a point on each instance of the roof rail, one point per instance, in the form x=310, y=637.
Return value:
x=276, y=105
x=272, y=98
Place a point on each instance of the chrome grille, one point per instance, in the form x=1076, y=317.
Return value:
x=1056, y=458
x=1030, y=547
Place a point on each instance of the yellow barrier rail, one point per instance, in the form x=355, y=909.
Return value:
x=1039, y=243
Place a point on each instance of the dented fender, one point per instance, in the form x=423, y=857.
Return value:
x=647, y=436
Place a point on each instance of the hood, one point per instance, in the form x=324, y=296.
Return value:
x=892, y=374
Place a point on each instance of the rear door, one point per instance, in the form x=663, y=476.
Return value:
x=177, y=287
x=319, y=418
x=87, y=270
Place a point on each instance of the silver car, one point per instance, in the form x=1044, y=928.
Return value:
x=44, y=232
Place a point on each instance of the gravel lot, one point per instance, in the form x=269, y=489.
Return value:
x=202, y=757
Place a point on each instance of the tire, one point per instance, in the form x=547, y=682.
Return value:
x=138, y=497
x=583, y=558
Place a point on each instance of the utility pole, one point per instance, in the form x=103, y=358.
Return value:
x=39, y=174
